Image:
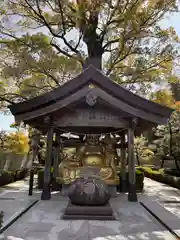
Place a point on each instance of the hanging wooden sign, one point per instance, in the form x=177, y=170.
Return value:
x=91, y=117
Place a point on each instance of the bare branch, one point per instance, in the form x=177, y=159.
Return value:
x=60, y=50
x=41, y=17
x=51, y=76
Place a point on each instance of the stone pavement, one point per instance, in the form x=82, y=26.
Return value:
x=43, y=221
x=167, y=196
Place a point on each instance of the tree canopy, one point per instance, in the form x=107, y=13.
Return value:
x=45, y=42
x=16, y=142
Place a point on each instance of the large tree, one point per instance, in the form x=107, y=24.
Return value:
x=124, y=34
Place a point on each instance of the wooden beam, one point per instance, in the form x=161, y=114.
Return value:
x=123, y=183
x=34, y=147
x=46, y=193
x=132, y=196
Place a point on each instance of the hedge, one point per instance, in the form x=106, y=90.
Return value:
x=1, y=218
x=172, y=172
x=41, y=178
x=139, y=181
x=7, y=177
x=161, y=176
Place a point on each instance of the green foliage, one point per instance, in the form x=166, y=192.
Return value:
x=163, y=97
x=136, y=49
x=139, y=180
x=172, y=172
x=161, y=176
x=16, y=142
x=142, y=151
x=40, y=181
x=32, y=68
x=175, y=134
x=3, y=138
x=1, y=218
x=7, y=177
x=166, y=139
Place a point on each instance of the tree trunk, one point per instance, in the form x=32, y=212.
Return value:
x=175, y=87
x=93, y=41
x=137, y=157
x=170, y=139
x=138, y=162
x=162, y=163
x=177, y=162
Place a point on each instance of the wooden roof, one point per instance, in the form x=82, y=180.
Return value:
x=116, y=95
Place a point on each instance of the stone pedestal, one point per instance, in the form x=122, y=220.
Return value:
x=76, y=212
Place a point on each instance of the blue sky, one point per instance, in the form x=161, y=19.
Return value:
x=172, y=20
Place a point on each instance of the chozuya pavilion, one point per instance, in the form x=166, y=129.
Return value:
x=91, y=105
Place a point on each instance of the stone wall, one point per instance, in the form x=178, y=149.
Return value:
x=12, y=161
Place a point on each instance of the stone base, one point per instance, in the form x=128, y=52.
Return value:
x=76, y=212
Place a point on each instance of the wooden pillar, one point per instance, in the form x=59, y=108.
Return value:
x=33, y=146
x=46, y=193
x=123, y=183
x=56, y=161
x=132, y=196
x=31, y=181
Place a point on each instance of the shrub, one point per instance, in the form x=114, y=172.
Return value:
x=172, y=172
x=161, y=176
x=139, y=181
x=41, y=178
x=7, y=177
x=1, y=218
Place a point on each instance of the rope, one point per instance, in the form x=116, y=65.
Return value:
x=76, y=133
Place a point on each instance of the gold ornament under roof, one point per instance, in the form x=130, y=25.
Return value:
x=91, y=86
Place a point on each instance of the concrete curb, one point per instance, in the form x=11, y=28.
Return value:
x=159, y=219
x=17, y=215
